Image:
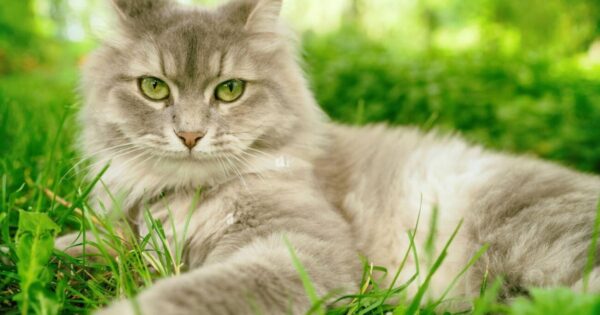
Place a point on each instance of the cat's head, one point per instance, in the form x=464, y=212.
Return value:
x=188, y=86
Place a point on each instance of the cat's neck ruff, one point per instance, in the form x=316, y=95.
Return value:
x=130, y=184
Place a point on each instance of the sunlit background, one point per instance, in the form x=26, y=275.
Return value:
x=516, y=75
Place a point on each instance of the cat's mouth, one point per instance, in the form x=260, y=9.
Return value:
x=222, y=149
x=193, y=156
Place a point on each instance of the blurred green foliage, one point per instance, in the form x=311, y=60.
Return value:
x=518, y=103
x=515, y=75
x=17, y=35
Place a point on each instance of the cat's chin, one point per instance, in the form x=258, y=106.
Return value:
x=185, y=156
x=197, y=159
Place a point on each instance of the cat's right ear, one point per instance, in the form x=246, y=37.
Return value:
x=140, y=13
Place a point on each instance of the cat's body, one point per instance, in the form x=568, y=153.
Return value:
x=535, y=216
x=272, y=168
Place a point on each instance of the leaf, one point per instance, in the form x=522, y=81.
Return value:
x=35, y=244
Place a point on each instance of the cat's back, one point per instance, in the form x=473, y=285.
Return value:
x=382, y=163
x=379, y=164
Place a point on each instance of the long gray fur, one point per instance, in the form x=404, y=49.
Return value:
x=273, y=168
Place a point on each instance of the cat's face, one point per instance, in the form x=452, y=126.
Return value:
x=192, y=84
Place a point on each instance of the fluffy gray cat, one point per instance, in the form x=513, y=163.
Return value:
x=188, y=97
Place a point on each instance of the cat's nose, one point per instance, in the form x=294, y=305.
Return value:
x=190, y=139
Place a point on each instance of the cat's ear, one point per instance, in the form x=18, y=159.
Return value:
x=136, y=12
x=261, y=20
x=264, y=17
x=256, y=16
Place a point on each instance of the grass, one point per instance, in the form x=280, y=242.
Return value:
x=42, y=192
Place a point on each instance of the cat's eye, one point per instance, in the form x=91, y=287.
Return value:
x=154, y=89
x=230, y=91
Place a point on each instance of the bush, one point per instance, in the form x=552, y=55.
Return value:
x=523, y=103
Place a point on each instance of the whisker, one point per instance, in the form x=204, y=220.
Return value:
x=240, y=176
x=258, y=154
x=222, y=165
x=242, y=160
x=108, y=160
x=90, y=156
x=133, y=159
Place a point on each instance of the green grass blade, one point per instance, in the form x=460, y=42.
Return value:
x=432, y=235
x=470, y=264
x=309, y=288
x=416, y=302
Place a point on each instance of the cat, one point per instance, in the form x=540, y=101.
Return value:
x=188, y=97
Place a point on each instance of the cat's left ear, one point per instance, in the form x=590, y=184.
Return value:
x=264, y=17
x=260, y=19
x=256, y=16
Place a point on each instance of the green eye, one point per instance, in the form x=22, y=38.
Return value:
x=155, y=89
x=230, y=91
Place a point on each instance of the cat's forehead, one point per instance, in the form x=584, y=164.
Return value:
x=193, y=24
x=192, y=45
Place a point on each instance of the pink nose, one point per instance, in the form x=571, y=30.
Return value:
x=190, y=139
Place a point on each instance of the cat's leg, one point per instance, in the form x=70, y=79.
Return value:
x=259, y=278
x=539, y=227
